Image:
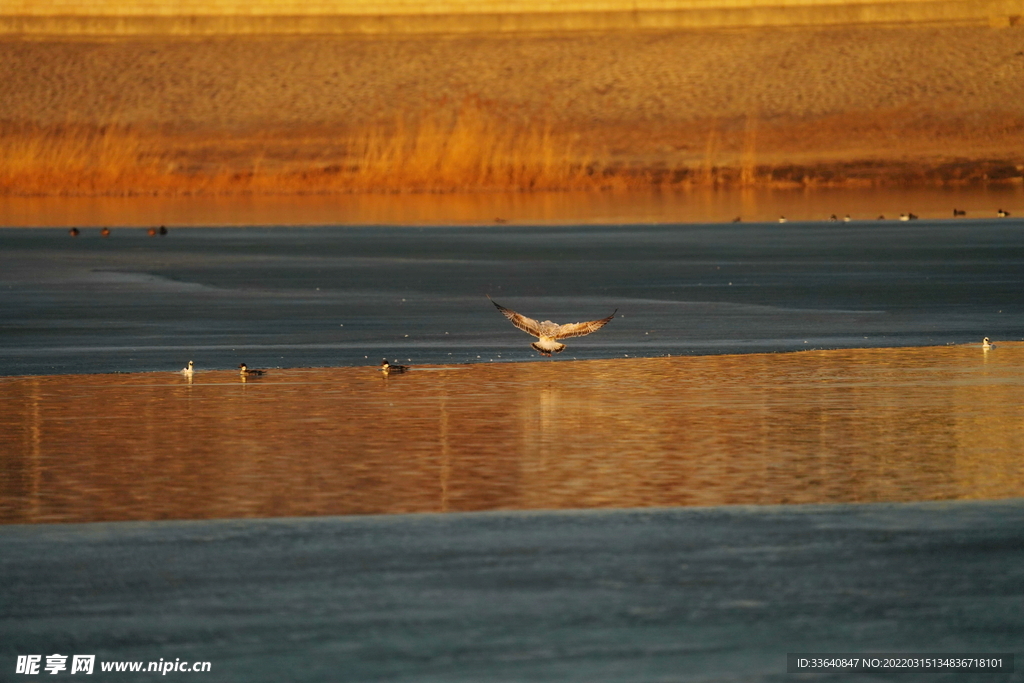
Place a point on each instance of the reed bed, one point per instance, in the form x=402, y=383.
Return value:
x=468, y=148
x=70, y=159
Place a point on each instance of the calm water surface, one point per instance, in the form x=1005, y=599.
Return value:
x=937, y=423
x=641, y=413
x=348, y=295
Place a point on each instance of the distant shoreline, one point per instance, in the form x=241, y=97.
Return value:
x=850, y=106
x=693, y=206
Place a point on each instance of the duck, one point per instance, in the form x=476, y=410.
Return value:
x=163, y=230
x=846, y=218
x=73, y=232
x=387, y=368
x=908, y=217
x=151, y=232
x=105, y=232
x=782, y=219
x=548, y=333
x=986, y=344
x=959, y=212
x=881, y=217
x=833, y=218
x=188, y=370
x=1002, y=214
x=244, y=371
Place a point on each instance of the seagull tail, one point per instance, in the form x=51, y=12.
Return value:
x=549, y=348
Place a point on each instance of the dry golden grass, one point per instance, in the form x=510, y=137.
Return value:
x=472, y=150
x=472, y=147
x=69, y=159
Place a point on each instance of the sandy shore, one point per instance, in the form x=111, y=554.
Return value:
x=794, y=105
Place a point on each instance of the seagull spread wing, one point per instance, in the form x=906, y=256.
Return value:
x=580, y=329
x=528, y=325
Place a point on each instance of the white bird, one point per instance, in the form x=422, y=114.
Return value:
x=986, y=344
x=1002, y=214
x=187, y=370
x=548, y=333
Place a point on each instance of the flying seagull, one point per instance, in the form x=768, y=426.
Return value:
x=548, y=332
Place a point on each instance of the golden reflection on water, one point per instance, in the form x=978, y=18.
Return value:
x=697, y=205
x=818, y=426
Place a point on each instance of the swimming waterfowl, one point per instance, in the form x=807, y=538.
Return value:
x=163, y=230
x=959, y=212
x=151, y=232
x=548, y=333
x=73, y=232
x=986, y=344
x=387, y=368
x=782, y=219
x=187, y=370
x=244, y=371
x=105, y=232
x=1002, y=214
x=908, y=217
x=833, y=218
x=846, y=218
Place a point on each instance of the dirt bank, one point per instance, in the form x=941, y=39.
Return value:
x=284, y=114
